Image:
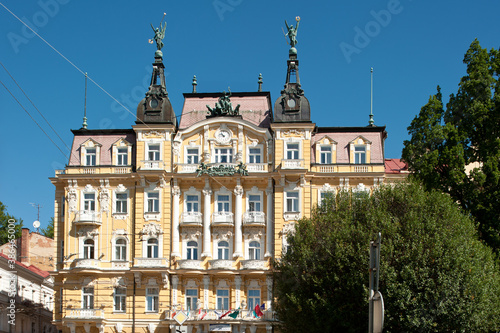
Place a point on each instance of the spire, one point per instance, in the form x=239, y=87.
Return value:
x=84, y=125
x=371, y=121
x=260, y=82
x=195, y=83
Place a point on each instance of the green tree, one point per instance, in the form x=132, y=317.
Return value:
x=4, y=225
x=435, y=274
x=49, y=231
x=457, y=149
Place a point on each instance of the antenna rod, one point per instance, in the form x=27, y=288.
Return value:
x=84, y=125
x=370, y=122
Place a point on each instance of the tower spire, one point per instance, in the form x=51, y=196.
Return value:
x=371, y=121
x=84, y=125
x=260, y=82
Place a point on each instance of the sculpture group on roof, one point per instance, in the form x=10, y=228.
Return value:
x=224, y=107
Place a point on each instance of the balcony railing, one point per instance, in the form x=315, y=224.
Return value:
x=191, y=218
x=152, y=165
x=327, y=168
x=292, y=164
x=87, y=217
x=187, y=168
x=122, y=169
x=360, y=168
x=253, y=264
x=223, y=218
x=257, y=167
x=254, y=218
x=86, y=263
x=84, y=313
x=150, y=262
x=210, y=314
x=120, y=265
x=221, y=264
x=190, y=264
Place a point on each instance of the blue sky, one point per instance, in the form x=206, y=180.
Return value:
x=413, y=45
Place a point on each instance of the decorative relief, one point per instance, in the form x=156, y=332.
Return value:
x=104, y=199
x=291, y=216
x=151, y=229
x=190, y=234
x=288, y=228
x=223, y=235
x=295, y=133
x=137, y=277
x=88, y=232
x=71, y=198
x=176, y=146
x=120, y=188
x=88, y=188
x=176, y=191
x=87, y=281
x=207, y=191
x=118, y=282
x=253, y=234
x=238, y=190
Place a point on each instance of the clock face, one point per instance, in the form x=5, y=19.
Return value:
x=223, y=136
x=153, y=103
x=291, y=103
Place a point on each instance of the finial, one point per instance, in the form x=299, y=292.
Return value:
x=292, y=34
x=260, y=82
x=195, y=83
x=84, y=125
x=158, y=38
x=371, y=121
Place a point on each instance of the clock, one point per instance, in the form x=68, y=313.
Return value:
x=153, y=103
x=223, y=136
x=291, y=103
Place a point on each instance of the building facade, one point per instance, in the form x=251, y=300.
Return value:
x=174, y=225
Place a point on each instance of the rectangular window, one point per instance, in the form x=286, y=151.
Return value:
x=122, y=156
x=253, y=298
x=326, y=154
x=292, y=201
x=223, y=203
x=359, y=154
x=192, y=204
x=153, y=152
x=254, y=250
x=120, y=299
x=88, y=298
x=192, y=156
x=153, y=202
x=254, y=203
x=90, y=156
x=89, y=202
x=324, y=195
x=121, y=203
x=254, y=155
x=223, y=155
x=192, y=250
x=152, y=299
x=191, y=299
x=121, y=249
x=222, y=299
x=292, y=151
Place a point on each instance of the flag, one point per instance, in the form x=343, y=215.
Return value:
x=257, y=311
x=218, y=314
x=199, y=314
x=235, y=313
x=263, y=306
x=203, y=316
x=173, y=314
x=225, y=314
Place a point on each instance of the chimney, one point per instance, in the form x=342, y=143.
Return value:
x=25, y=246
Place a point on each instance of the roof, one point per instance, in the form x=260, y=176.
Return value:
x=395, y=165
x=31, y=268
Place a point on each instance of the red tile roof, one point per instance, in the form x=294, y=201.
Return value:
x=395, y=165
x=32, y=268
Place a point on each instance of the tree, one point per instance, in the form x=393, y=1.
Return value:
x=4, y=225
x=435, y=275
x=457, y=149
x=49, y=231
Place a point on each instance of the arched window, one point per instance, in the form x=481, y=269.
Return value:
x=254, y=250
x=88, y=249
x=223, y=250
x=152, y=248
x=192, y=250
x=121, y=249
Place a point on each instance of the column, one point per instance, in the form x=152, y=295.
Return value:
x=175, y=283
x=176, y=192
x=206, y=286
x=207, y=200
x=269, y=283
x=269, y=221
x=238, y=191
x=237, y=289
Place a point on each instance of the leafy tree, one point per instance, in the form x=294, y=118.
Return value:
x=435, y=275
x=49, y=231
x=4, y=225
x=457, y=149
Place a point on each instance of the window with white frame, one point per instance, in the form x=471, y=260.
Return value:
x=90, y=156
x=192, y=156
x=359, y=154
x=121, y=249
x=153, y=152
x=191, y=299
x=192, y=250
x=88, y=297
x=152, y=248
x=255, y=155
x=120, y=299
x=292, y=201
x=323, y=195
x=292, y=151
x=223, y=250
x=254, y=250
x=254, y=203
x=192, y=203
x=89, y=202
x=325, y=154
x=222, y=299
x=153, y=202
x=121, y=203
x=223, y=203
x=223, y=155
x=253, y=298
x=152, y=299
x=88, y=249
x=122, y=156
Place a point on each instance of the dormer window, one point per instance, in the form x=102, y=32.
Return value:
x=122, y=156
x=292, y=151
x=325, y=154
x=90, y=156
x=359, y=154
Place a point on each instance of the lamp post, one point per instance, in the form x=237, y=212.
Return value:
x=376, y=309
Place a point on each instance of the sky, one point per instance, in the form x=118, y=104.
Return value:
x=412, y=46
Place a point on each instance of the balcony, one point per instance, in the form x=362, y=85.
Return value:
x=292, y=164
x=257, y=167
x=221, y=264
x=84, y=313
x=211, y=315
x=83, y=217
x=254, y=218
x=86, y=263
x=191, y=219
x=120, y=265
x=150, y=262
x=223, y=219
x=253, y=264
x=327, y=168
x=153, y=165
x=187, y=168
x=122, y=169
x=189, y=264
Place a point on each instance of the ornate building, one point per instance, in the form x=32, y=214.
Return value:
x=175, y=225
